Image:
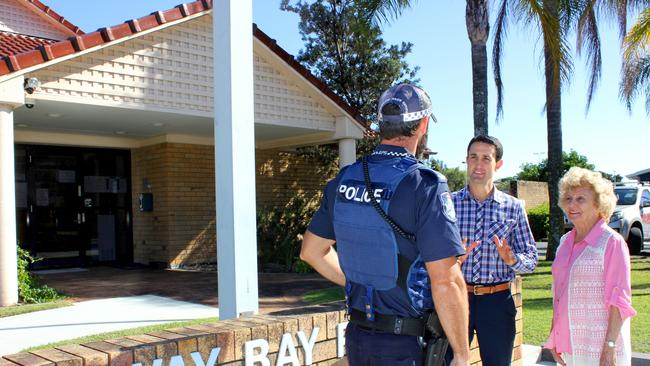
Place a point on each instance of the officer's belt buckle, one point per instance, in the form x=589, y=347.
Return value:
x=398, y=326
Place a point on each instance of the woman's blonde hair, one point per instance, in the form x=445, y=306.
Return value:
x=604, y=190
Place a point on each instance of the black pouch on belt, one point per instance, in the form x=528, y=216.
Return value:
x=436, y=342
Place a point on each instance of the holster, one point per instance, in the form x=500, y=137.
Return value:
x=436, y=342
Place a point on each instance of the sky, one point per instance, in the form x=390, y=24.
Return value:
x=608, y=135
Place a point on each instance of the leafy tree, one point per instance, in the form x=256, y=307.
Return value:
x=503, y=184
x=345, y=50
x=456, y=177
x=612, y=177
x=539, y=172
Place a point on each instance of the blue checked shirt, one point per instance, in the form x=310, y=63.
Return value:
x=502, y=215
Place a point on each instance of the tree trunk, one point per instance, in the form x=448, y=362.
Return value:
x=554, y=141
x=478, y=29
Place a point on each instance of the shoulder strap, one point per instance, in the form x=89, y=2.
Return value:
x=375, y=204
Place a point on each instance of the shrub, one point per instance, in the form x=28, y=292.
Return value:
x=279, y=233
x=538, y=220
x=30, y=290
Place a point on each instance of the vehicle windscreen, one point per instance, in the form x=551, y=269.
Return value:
x=626, y=196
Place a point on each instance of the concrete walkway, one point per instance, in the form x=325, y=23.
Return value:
x=92, y=317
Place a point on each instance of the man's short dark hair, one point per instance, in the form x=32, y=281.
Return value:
x=391, y=130
x=490, y=140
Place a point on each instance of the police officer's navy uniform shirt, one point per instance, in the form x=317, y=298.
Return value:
x=421, y=206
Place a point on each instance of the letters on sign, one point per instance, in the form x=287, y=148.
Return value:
x=256, y=352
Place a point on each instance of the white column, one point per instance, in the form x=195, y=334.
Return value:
x=235, y=157
x=8, y=258
x=347, y=152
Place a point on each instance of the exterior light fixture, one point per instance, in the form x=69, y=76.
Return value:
x=31, y=84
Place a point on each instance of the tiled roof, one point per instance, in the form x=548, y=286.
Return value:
x=54, y=15
x=46, y=52
x=14, y=43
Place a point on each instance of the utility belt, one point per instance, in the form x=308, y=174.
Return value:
x=429, y=327
x=389, y=323
x=479, y=290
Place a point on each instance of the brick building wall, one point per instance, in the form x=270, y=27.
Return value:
x=150, y=229
x=283, y=175
x=181, y=228
x=533, y=193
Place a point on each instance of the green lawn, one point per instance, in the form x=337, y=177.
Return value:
x=324, y=296
x=28, y=308
x=538, y=304
x=124, y=333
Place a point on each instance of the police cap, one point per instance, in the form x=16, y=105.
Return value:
x=412, y=102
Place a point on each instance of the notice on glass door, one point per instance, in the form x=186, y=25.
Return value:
x=65, y=176
x=42, y=197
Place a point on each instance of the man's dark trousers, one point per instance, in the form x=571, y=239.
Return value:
x=373, y=348
x=493, y=318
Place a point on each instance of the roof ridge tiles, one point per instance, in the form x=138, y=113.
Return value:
x=83, y=41
x=304, y=72
x=55, y=16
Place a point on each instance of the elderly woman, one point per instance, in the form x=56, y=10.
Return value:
x=591, y=278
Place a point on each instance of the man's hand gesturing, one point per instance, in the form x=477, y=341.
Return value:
x=505, y=252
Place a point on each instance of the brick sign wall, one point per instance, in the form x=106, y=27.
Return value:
x=305, y=338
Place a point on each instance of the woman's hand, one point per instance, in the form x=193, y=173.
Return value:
x=608, y=356
x=557, y=357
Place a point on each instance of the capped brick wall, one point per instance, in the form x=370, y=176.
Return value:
x=181, y=228
x=230, y=335
x=533, y=193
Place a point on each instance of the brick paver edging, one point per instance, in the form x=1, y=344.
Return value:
x=241, y=342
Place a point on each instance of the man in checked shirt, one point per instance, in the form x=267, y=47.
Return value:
x=503, y=245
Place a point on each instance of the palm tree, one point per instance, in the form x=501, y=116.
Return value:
x=555, y=18
x=478, y=29
x=636, y=62
x=552, y=19
x=589, y=39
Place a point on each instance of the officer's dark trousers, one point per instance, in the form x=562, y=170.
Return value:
x=367, y=348
x=493, y=318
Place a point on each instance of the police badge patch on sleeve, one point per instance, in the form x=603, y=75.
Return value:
x=447, y=206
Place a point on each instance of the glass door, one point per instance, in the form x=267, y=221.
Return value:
x=73, y=205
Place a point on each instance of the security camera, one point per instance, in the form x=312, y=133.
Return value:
x=31, y=84
x=29, y=103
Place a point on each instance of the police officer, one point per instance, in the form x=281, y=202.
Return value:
x=397, y=242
